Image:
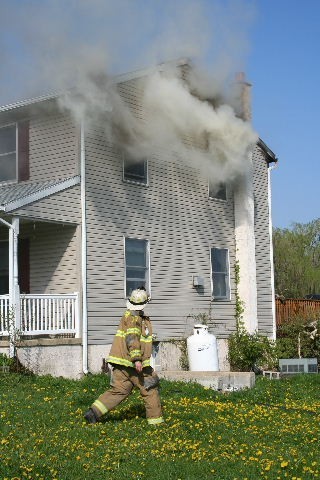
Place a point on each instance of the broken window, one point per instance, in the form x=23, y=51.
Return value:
x=135, y=170
x=218, y=191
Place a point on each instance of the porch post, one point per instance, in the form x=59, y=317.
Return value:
x=14, y=291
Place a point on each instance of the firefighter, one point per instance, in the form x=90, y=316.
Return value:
x=130, y=358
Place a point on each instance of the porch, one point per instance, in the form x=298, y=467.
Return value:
x=41, y=314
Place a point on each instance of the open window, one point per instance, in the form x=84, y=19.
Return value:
x=218, y=191
x=220, y=273
x=137, y=269
x=135, y=170
x=14, y=152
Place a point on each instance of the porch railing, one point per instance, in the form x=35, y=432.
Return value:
x=43, y=314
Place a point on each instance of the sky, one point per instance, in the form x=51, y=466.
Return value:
x=46, y=44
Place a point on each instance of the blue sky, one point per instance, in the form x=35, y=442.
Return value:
x=275, y=42
x=284, y=69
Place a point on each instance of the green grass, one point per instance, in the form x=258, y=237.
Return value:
x=270, y=431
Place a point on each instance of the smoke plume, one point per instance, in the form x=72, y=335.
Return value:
x=78, y=46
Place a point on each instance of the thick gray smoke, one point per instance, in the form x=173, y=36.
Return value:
x=79, y=45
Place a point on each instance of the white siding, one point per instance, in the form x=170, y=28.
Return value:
x=260, y=181
x=53, y=257
x=53, y=147
x=181, y=223
x=60, y=207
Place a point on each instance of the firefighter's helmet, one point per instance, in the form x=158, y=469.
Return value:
x=138, y=299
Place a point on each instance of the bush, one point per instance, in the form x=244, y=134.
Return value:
x=298, y=338
x=251, y=351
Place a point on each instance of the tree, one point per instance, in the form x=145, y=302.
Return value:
x=297, y=259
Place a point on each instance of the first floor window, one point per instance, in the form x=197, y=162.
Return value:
x=135, y=170
x=8, y=156
x=218, y=191
x=220, y=273
x=137, y=264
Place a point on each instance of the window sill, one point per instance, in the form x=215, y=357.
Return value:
x=135, y=182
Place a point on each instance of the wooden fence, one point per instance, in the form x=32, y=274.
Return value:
x=291, y=308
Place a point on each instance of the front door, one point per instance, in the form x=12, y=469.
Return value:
x=23, y=266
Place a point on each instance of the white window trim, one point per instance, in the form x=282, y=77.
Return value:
x=6, y=182
x=148, y=280
x=136, y=182
x=228, y=297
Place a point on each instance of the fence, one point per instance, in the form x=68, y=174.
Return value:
x=43, y=314
x=290, y=308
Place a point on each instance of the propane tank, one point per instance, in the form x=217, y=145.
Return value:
x=202, y=350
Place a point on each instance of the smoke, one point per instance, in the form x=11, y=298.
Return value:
x=77, y=47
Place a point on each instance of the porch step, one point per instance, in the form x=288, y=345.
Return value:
x=222, y=381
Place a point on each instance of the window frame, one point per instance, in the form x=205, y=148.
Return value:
x=132, y=180
x=14, y=180
x=147, y=267
x=227, y=297
x=218, y=198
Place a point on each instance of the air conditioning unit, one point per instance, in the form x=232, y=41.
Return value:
x=298, y=365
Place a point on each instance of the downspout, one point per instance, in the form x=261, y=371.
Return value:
x=83, y=251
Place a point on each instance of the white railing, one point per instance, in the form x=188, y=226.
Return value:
x=43, y=314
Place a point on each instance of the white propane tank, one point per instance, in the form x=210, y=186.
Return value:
x=202, y=350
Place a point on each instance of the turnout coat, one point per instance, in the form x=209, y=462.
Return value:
x=132, y=341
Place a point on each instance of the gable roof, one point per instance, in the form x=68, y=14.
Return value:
x=123, y=77
x=15, y=196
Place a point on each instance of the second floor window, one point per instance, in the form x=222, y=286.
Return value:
x=137, y=265
x=218, y=191
x=14, y=152
x=220, y=273
x=8, y=153
x=135, y=170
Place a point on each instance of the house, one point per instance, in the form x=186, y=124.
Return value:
x=83, y=221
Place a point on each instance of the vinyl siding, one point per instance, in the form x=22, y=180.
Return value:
x=264, y=293
x=181, y=223
x=54, y=257
x=63, y=207
x=53, y=147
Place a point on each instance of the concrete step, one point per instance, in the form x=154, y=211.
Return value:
x=223, y=381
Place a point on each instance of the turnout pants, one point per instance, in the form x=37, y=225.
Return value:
x=124, y=379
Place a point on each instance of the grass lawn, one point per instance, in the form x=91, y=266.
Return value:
x=271, y=432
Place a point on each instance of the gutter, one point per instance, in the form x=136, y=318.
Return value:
x=83, y=251
x=270, y=155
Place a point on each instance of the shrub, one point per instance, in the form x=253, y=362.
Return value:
x=251, y=351
x=298, y=338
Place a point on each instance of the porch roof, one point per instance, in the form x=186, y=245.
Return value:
x=15, y=196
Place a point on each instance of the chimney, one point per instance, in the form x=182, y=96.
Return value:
x=242, y=96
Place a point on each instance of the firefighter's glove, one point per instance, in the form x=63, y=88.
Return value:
x=138, y=366
x=151, y=381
